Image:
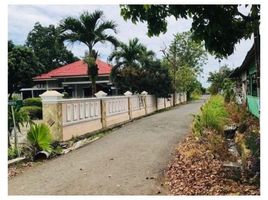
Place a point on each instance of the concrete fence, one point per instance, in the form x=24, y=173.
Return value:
x=75, y=117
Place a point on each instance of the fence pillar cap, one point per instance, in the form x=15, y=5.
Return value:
x=51, y=96
x=128, y=93
x=144, y=93
x=100, y=94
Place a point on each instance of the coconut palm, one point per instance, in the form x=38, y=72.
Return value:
x=89, y=29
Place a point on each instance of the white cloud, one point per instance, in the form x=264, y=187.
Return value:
x=21, y=19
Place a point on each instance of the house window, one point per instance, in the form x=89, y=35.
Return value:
x=254, y=85
x=248, y=87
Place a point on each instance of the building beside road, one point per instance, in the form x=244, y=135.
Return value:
x=248, y=82
x=72, y=79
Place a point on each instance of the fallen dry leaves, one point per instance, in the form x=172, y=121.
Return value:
x=196, y=171
x=19, y=168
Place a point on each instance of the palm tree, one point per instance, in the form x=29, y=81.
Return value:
x=146, y=57
x=89, y=29
x=130, y=55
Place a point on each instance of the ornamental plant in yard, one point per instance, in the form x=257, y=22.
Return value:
x=21, y=119
x=33, y=106
x=40, y=138
x=34, y=112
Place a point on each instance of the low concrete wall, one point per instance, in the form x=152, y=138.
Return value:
x=81, y=128
x=75, y=117
x=117, y=119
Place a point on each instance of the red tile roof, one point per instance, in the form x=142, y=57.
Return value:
x=78, y=68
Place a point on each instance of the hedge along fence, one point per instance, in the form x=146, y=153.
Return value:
x=213, y=115
x=35, y=112
x=69, y=118
x=32, y=102
x=33, y=106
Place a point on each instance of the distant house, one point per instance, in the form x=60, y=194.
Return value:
x=72, y=79
x=247, y=83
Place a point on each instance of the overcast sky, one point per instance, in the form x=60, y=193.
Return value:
x=21, y=19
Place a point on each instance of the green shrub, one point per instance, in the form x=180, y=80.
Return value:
x=34, y=112
x=228, y=90
x=40, y=138
x=196, y=94
x=12, y=153
x=32, y=102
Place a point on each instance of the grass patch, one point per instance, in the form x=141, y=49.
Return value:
x=195, y=95
x=213, y=116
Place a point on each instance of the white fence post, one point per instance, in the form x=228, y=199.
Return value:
x=129, y=94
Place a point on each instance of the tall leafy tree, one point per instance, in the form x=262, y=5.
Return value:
x=220, y=26
x=48, y=46
x=217, y=79
x=153, y=78
x=186, y=80
x=22, y=66
x=185, y=58
x=90, y=29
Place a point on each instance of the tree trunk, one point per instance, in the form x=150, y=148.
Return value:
x=93, y=87
x=174, y=83
x=188, y=95
x=93, y=76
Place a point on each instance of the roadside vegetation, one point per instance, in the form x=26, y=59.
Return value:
x=213, y=115
x=202, y=162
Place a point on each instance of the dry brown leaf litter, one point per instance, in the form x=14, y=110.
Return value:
x=197, y=171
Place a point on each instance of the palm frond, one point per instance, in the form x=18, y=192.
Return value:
x=71, y=24
x=40, y=137
x=107, y=38
x=107, y=25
